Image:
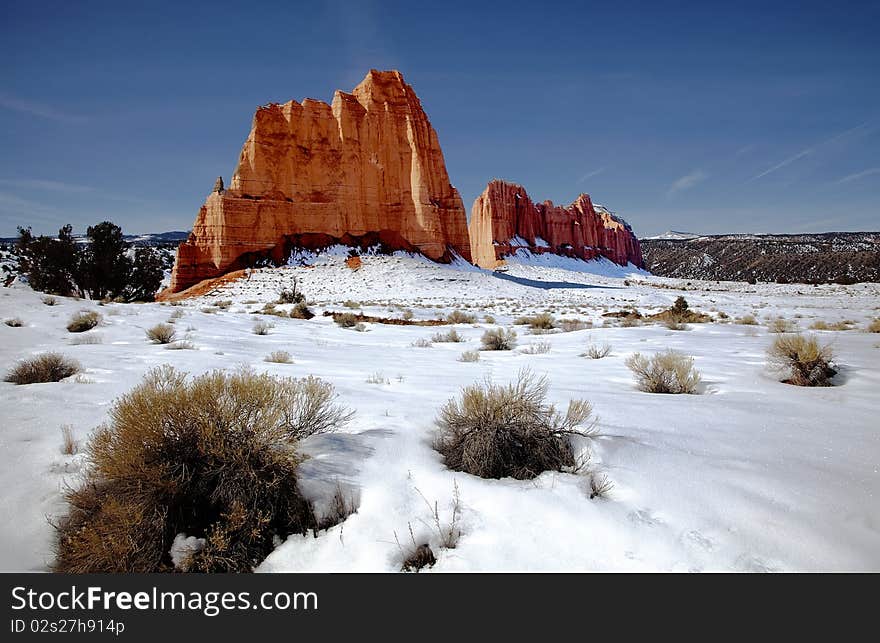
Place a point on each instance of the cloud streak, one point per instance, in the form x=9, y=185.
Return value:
x=858, y=175
x=591, y=174
x=45, y=185
x=31, y=108
x=687, y=181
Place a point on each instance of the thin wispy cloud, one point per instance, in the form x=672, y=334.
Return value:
x=859, y=175
x=782, y=164
x=45, y=185
x=687, y=181
x=41, y=110
x=591, y=174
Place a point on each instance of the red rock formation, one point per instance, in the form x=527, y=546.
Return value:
x=504, y=219
x=367, y=169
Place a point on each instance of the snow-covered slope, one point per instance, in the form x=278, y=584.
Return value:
x=751, y=474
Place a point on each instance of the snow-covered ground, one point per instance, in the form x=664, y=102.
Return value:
x=751, y=474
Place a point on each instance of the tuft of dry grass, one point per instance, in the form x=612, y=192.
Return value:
x=820, y=324
x=460, y=317
x=600, y=486
x=90, y=338
x=83, y=321
x=781, y=325
x=747, y=320
x=378, y=378
x=68, y=443
x=572, y=325
x=469, y=356
x=301, y=311
x=279, y=357
x=422, y=342
x=874, y=326
x=262, y=327
x=49, y=300
x=161, y=334
x=537, y=348
x=212, y=458
x=346, y=320
x=668, y=372
x=803, y=359
x=48, y=367
x=14, y=322
x=180, y=345
x=597, y=351
x=499, y=431
x=451, y=336
x=498, y=339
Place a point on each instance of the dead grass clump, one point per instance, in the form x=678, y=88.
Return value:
x=803, y=359
x=83, y=321
x=161, y=334
x=210, y=460
x=597, y=351
x=174, y=316
x=668, y=372
x=538, y=348
x=422, y=342
x=747, y=320
x=498, y=339
x=181, y=345
x=499, y=431
x=354, y=305
x=14, y=322
x=346, y=320
x=459, y=317
x=488, y=319
x=452, y=336
x=820, y=324
x=874, y=326
x=48, y=367
x=91, y=338
x=301, y=311
x=469, y=356
x=781, y=325
x=278, y=357
x=378, y=378
x=49, y=300
x=572, y=325
x=262, y=327
x=68, y=443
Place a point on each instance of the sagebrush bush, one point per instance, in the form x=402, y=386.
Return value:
x=874, y=326
x=83, y=321
x=781, y=325
x=49, y=300
x=508, y=430
x=279, y=357
x=449, y=337
x=422, y=342
x=161, y=334
x=262, y=327
x=14, y=322
x=803, y=360
x=301, y=311
x=498, y=339
x=747, y=320
x=48, y=367
x=597, y=351
x=668, y=372
x=469, y=356
x=459, y=317
x=212, y=459
x=346, y=320
x=538, y=348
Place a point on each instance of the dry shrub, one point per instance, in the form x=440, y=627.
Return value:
x=781, y=325
x=470, y=356
x=224, y=304
x=48, y=367
x=182, y=345
x=542, y=321
x=597, y=351
x=571, y=325
x=820, y=324
x=262, y=327
x=423, y=342
x=68, y=443
x=874, y=326
x=747, y=320
x=674, y=323
x=488, y=319
x=668, y=372
x=177, y=314
x=161, y=334
x=49, y=300
x=301, y=311
x=508, y=430
x=279, y=357
x=354, y=305
x=83, y=321
x=806, y=362
x=459, y=317
x=498, y=339
x=450, y=337
x=378, y=378
x=600, y=486
x=407, y=314
x=346, y=320
x=14, y=322
x=212, y=459
x=538, y=348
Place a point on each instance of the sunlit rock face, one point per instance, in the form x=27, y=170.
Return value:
x=366, y=169
x=504, y=219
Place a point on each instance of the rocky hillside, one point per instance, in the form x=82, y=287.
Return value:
x=808, y=258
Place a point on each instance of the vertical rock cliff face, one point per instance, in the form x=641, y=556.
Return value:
x=504, y=219
x=363, y=170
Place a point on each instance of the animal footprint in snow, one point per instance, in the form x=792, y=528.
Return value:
x=644, y=517
x=697, y=539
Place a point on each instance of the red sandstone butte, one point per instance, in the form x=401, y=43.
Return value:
x=366, y=169
x=504, y=220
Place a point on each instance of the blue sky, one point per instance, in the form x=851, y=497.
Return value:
x=705, y=117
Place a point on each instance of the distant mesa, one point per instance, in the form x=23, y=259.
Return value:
x=504, y=220
x=363, y=171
